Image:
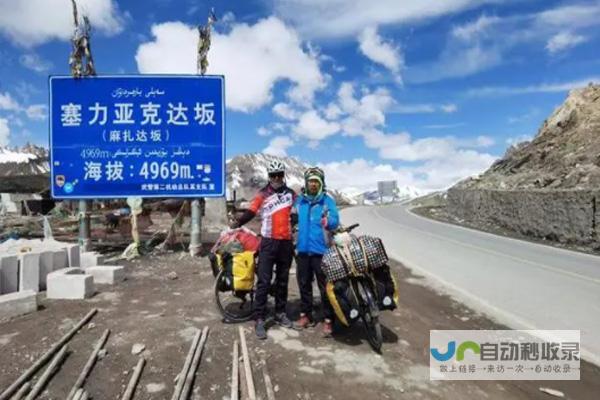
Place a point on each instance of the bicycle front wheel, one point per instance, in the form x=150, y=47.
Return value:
x=370, y=317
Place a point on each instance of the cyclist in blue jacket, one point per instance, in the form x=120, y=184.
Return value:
x=317, y=215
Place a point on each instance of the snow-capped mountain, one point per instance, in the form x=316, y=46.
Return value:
x=29, y=160
x=247, y=173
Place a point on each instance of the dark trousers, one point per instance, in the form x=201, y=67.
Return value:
x=278, y=254
x=308, y=268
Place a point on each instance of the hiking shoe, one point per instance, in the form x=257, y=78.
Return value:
x=303, y=322
x=283, y=320
x=327, y=328
x=260, y=329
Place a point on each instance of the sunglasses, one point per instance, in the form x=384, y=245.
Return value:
x=276, y=175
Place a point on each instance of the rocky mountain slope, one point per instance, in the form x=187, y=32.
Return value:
x=565, y=153
x=548, y=188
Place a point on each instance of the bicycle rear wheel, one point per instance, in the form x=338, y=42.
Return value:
x=233, y=306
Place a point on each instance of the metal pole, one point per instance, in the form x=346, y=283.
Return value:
x=84, y=225
x=195, y=234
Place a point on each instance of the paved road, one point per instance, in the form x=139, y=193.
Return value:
x=521, y=284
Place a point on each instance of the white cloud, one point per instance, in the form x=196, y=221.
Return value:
x=474, y=30
x=456, y=62
x=248, y=55
x=571, y=16
x=484, y=141
x=286, y=111
x=401, y=108
x=439, y=161
x=313, y=127
x=37, y=112
x=433, y=175
x=33, y=22
x=34, y=111
x=338, y=18
x=362, y=174
x=493, y=91
x=364, y=114
x=381, y=52
x=35, y=63
x=487, y=41
x=332, y=111
x=278, y=146
x=443, y=173
x=563, y=41
x=400, y=146
x=262, y=131
x=449, y=108
x=7, y=103
x=4, y=132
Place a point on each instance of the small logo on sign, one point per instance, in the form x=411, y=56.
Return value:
x=60, y=180
x=69, y=188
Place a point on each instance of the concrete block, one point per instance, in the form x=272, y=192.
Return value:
x=18, y=303
x=107, y=274
x=69, y=283
x=90, y=259
x=29, y=272
x=46, y=266
x=9, y=273
x=60, y=259
x=74, y=255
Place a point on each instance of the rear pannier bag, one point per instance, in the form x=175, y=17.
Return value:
x=239, y=271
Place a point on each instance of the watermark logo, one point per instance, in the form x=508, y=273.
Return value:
x=504, y=355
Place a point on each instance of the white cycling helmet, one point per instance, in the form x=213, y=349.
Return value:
x=275, y=166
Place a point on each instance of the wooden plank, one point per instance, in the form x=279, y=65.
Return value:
x=129, y=392
x=44, y=359
x=235, y=374
x=247, y=366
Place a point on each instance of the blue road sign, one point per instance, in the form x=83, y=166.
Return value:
x=146, y=136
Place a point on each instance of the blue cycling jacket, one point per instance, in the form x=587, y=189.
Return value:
x=312, y=236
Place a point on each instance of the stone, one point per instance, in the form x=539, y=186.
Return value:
x=137, y=348
x=60, y=259
x=90, y=259
x=46, y=266
x=29, y=272
x=18, y=303
x=107, y=274
x=70, y=283
x=9, y=274
x=74, y=255
x=172, y=275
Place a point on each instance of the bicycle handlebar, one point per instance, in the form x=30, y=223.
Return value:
x=347, y=229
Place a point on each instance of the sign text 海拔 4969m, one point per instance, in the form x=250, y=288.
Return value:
x=147, y=136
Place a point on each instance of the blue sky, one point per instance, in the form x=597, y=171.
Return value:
x=425, y=92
